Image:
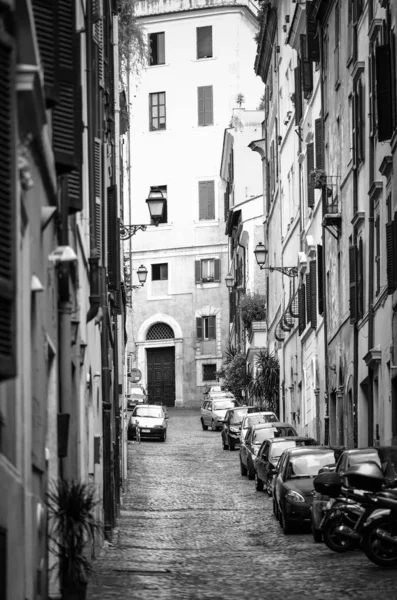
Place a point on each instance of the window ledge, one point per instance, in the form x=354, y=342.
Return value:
x=167, y=297
x=206, y=285
x=158, y=66
x=204, y=59
x=209, y=223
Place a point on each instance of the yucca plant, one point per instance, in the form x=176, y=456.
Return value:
x=72, y=527
x=266, y=385
x=252, y=308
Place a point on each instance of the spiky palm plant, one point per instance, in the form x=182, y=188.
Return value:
x=266, y=385
x=72, y=526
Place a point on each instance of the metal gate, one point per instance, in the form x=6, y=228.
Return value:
x=161, y=376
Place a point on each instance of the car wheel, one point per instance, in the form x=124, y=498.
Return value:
x=258, y=483
x=275, y=509
x=232, y=443
x=284, y=522
x=205, y=427
x=243, y=469
x=269, y=487
x=213, y=426
x=251, y=471
x=164, y=436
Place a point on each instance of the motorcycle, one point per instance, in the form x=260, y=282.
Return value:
x=379, y=539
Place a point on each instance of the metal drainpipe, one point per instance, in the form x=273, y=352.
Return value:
x=370, y=324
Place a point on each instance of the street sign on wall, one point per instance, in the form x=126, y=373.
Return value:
x=135, y=375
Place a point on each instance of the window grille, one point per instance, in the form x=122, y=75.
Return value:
x=160, y=331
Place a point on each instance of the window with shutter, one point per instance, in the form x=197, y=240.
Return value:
x=313, y=293
x=272, y=170
x=199, y=328
x=377, y=255
x=384, y=93
x=205, y=105
x=8, y=207
x=206, y=200
x=156, y=48
x=353, y=283
x=306, y=67
x=210, y=322
x=302, y=308
x=197, y=271
x=313, y=46
x=309, y=169
x=320, y=283
x=65, y=112
x=308, y=297
x=319, y=141
x=98, y=193
x=360, y=279
x=45, y=21
x=113, y=239
x=298, y=94
x=204, y=42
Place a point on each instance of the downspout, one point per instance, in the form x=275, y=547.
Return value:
x=370, y=323
x=94, y=258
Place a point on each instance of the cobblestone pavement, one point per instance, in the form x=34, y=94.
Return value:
x=192, y=528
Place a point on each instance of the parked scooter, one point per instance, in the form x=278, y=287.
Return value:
x=379, y=539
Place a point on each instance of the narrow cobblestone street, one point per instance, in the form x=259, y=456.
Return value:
x=192, y=528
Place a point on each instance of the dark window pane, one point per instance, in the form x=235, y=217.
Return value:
x=209, y=372
x=204, y=42
x=160, y=272
x=156, y=48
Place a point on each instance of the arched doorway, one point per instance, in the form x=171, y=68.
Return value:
x=161, y=365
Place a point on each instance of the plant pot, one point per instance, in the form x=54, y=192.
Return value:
x=75, y=591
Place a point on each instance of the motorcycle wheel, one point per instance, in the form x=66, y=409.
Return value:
x=381, y=552
x=335, y=541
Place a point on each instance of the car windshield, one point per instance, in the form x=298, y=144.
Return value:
x=148, y=411
x=263, y=434
x=223, y=404
x=279, y=447
x=236, y=416
x=357, y=459
x=308, y=465
x=255, y=419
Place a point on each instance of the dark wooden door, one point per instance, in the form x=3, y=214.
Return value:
x=161, y=376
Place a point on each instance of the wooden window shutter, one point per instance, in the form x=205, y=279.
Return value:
x=8, y=208
x=353, y=283
x=197, y=270
x=199, y=328
x=384, y=92
x=98, y=193
x=98, y=40
x=75, y=200
x=360, y=279
x=302, y=308
x=313, y=293
x=307, y=68
x=272, y=169
x=309, y=169
x=210, y=200
x=360, y=122
x=320, y=286
x=46, y=20
x=308, y=295
x=313, y=46
x=64, y=113
x=319, y=139
x=201, y=106
x=393, y=77
x=203, y=201
x=217, y=269
x=298, y=94
x=377, y=251
x=113, y=239
x=211, y=328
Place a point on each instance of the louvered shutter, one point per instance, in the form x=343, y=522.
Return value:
x=208, y=105
x=98, y=193
x=393, y=77
x=272, y=169
x=113, y=239
x=320, y=286
x=298, y=94
x=98, y=41
x=360, y=279
x=75, y=199
x=199, y=328
x=319, y=139
x=217, y=269
x=211, y=200
x=8, y=207
x=211, y=328
x=197, y=270
x=308, y=296
x=313, y=46
x=353, y=283
x=307, y=68
x=313, y=293
x=201, y=106
x=377, y=250
x=203, y=212
x=302, y=309
x=384, y=92
x=45, y=14
x=309, y=169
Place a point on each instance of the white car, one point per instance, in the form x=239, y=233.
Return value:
x=254, y=418
x=213, y=412
x=151, y=420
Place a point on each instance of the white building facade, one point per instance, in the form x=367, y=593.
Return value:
x=200, y=68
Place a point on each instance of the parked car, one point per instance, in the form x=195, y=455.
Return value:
x=256, y=434
x=137, y=396
x=269, y=453
x=151, y=420
x=213, y=412
x=293, y=483
x=384, y=456
x=232, y=426
x=256, y=417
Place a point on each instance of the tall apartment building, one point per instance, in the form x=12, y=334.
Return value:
x=199, y=68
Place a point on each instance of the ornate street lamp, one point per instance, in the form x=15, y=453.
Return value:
x=156, y=203
x=229, y=280
x=142, y=275
x=261, y=255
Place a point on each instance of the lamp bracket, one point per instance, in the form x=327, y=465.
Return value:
x=127, y=231
x=289, y=271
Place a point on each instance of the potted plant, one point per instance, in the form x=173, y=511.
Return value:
x=72, y=528
x=318, y=178
x=252, y=308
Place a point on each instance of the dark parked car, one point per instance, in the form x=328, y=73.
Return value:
x=256, y=434
x=269, y=453
x=232, y=427
x=293, y=485
x=384, y=456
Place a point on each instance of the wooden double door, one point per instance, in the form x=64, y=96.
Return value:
x=161, y=376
